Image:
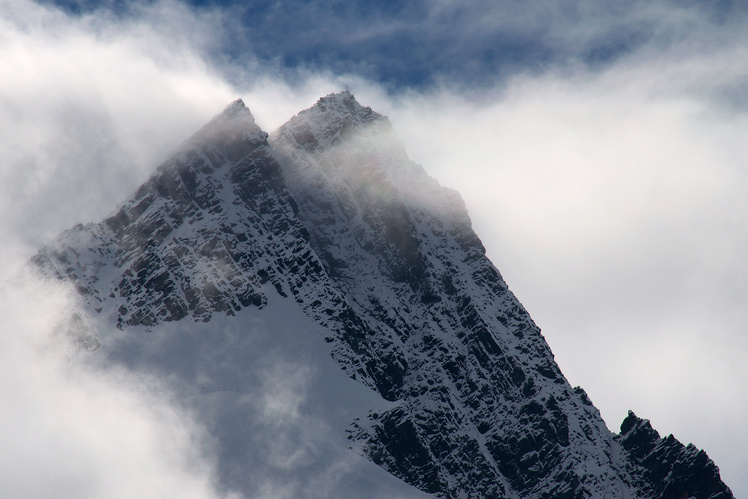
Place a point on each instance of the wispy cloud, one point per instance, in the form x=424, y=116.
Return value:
x=74, y=431
x=471, y=44
x=89, y=105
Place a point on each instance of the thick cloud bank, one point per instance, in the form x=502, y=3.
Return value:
x=610, y=196
x=71, y=430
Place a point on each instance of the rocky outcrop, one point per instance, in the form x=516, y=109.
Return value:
x=671, y=469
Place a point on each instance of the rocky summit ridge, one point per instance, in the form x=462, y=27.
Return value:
x=327, y=215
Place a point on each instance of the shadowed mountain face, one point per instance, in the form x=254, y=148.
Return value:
x=328, y=220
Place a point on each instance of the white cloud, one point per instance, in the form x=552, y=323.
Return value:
x=74, y=431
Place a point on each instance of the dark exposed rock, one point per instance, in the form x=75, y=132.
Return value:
x=671, y=469
x=329, y=212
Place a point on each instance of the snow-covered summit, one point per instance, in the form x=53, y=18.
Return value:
x=328, y=219
x=235, y=123
x=332, y=119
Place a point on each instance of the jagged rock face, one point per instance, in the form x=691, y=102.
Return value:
x=194, y=239
x=205, y=235
x=469, y=362
x=672, y=470
x=332, y=214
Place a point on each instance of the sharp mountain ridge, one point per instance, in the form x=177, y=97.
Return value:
x=329, y=218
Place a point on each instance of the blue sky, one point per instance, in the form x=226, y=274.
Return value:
x=599, y=147
x=418, y=44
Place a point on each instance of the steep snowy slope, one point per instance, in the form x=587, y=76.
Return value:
x=210, y=237
x=473, y=365
x=331, y=236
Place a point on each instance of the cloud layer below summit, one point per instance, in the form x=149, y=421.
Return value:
x=609, y=191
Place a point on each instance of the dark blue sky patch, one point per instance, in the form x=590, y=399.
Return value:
x=419, y=44
x=616, y=44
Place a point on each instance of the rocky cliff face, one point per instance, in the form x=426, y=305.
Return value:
x=329, y=214
x=671, y=470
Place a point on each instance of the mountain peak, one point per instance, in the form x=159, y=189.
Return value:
x=342, y=100
x=235, y=123
x=332, y=119
x=236, y=110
